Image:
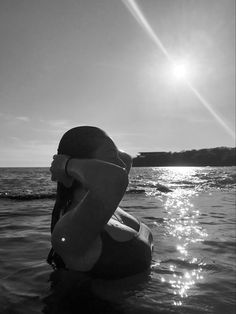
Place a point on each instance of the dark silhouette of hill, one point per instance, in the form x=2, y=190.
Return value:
x=219, y=156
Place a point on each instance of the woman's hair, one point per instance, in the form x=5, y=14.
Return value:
x=79, y=142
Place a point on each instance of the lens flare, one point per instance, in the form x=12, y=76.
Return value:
x=142, y=21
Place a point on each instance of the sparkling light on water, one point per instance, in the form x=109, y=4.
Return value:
x=184, y=232
x=182, y=225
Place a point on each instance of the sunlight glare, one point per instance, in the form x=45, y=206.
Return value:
x=181, y=71
x=143, y=22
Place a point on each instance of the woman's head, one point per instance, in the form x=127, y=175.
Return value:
x=80, y=142
x=87, y=142
x=83, y=142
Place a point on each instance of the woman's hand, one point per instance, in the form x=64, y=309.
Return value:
x=58, y=170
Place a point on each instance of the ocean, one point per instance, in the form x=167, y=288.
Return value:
x=193, y=224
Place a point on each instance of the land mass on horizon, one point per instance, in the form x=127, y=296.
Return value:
x=219, y=156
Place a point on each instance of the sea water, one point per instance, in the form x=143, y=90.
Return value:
x=193, y=224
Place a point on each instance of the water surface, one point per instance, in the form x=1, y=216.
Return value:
x=193, y=268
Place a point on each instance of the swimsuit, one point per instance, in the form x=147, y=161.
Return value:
x=118, y=259
x=121, y=259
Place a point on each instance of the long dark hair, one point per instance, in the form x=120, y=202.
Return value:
x=79, y=142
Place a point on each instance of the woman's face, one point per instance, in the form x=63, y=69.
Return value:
x=108, y=152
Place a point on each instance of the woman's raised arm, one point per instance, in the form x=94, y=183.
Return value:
x=105, y=184
x=104, y=180
x=107, y=181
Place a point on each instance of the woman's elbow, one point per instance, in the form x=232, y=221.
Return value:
x=126, y=159
x=122, y=179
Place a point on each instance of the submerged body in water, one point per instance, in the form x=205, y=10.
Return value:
x=193, y=263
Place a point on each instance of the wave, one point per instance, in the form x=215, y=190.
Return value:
x=27, y=197
x=186, y=264
x=37, y=196
x=135, y=191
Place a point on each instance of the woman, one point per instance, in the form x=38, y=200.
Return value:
x=90, y=233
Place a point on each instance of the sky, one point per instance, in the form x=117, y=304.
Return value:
x=107, y=64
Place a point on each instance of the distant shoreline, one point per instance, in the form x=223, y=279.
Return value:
x=212, y=157
x=209, y=157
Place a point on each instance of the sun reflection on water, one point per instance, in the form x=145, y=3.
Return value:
x=182, y=170
x=184, y=231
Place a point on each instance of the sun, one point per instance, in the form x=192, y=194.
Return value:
x=181, y=70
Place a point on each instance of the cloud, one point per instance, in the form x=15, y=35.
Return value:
x=23, y=118
x=56, y=126
x=55, y=123
x=12, y=118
